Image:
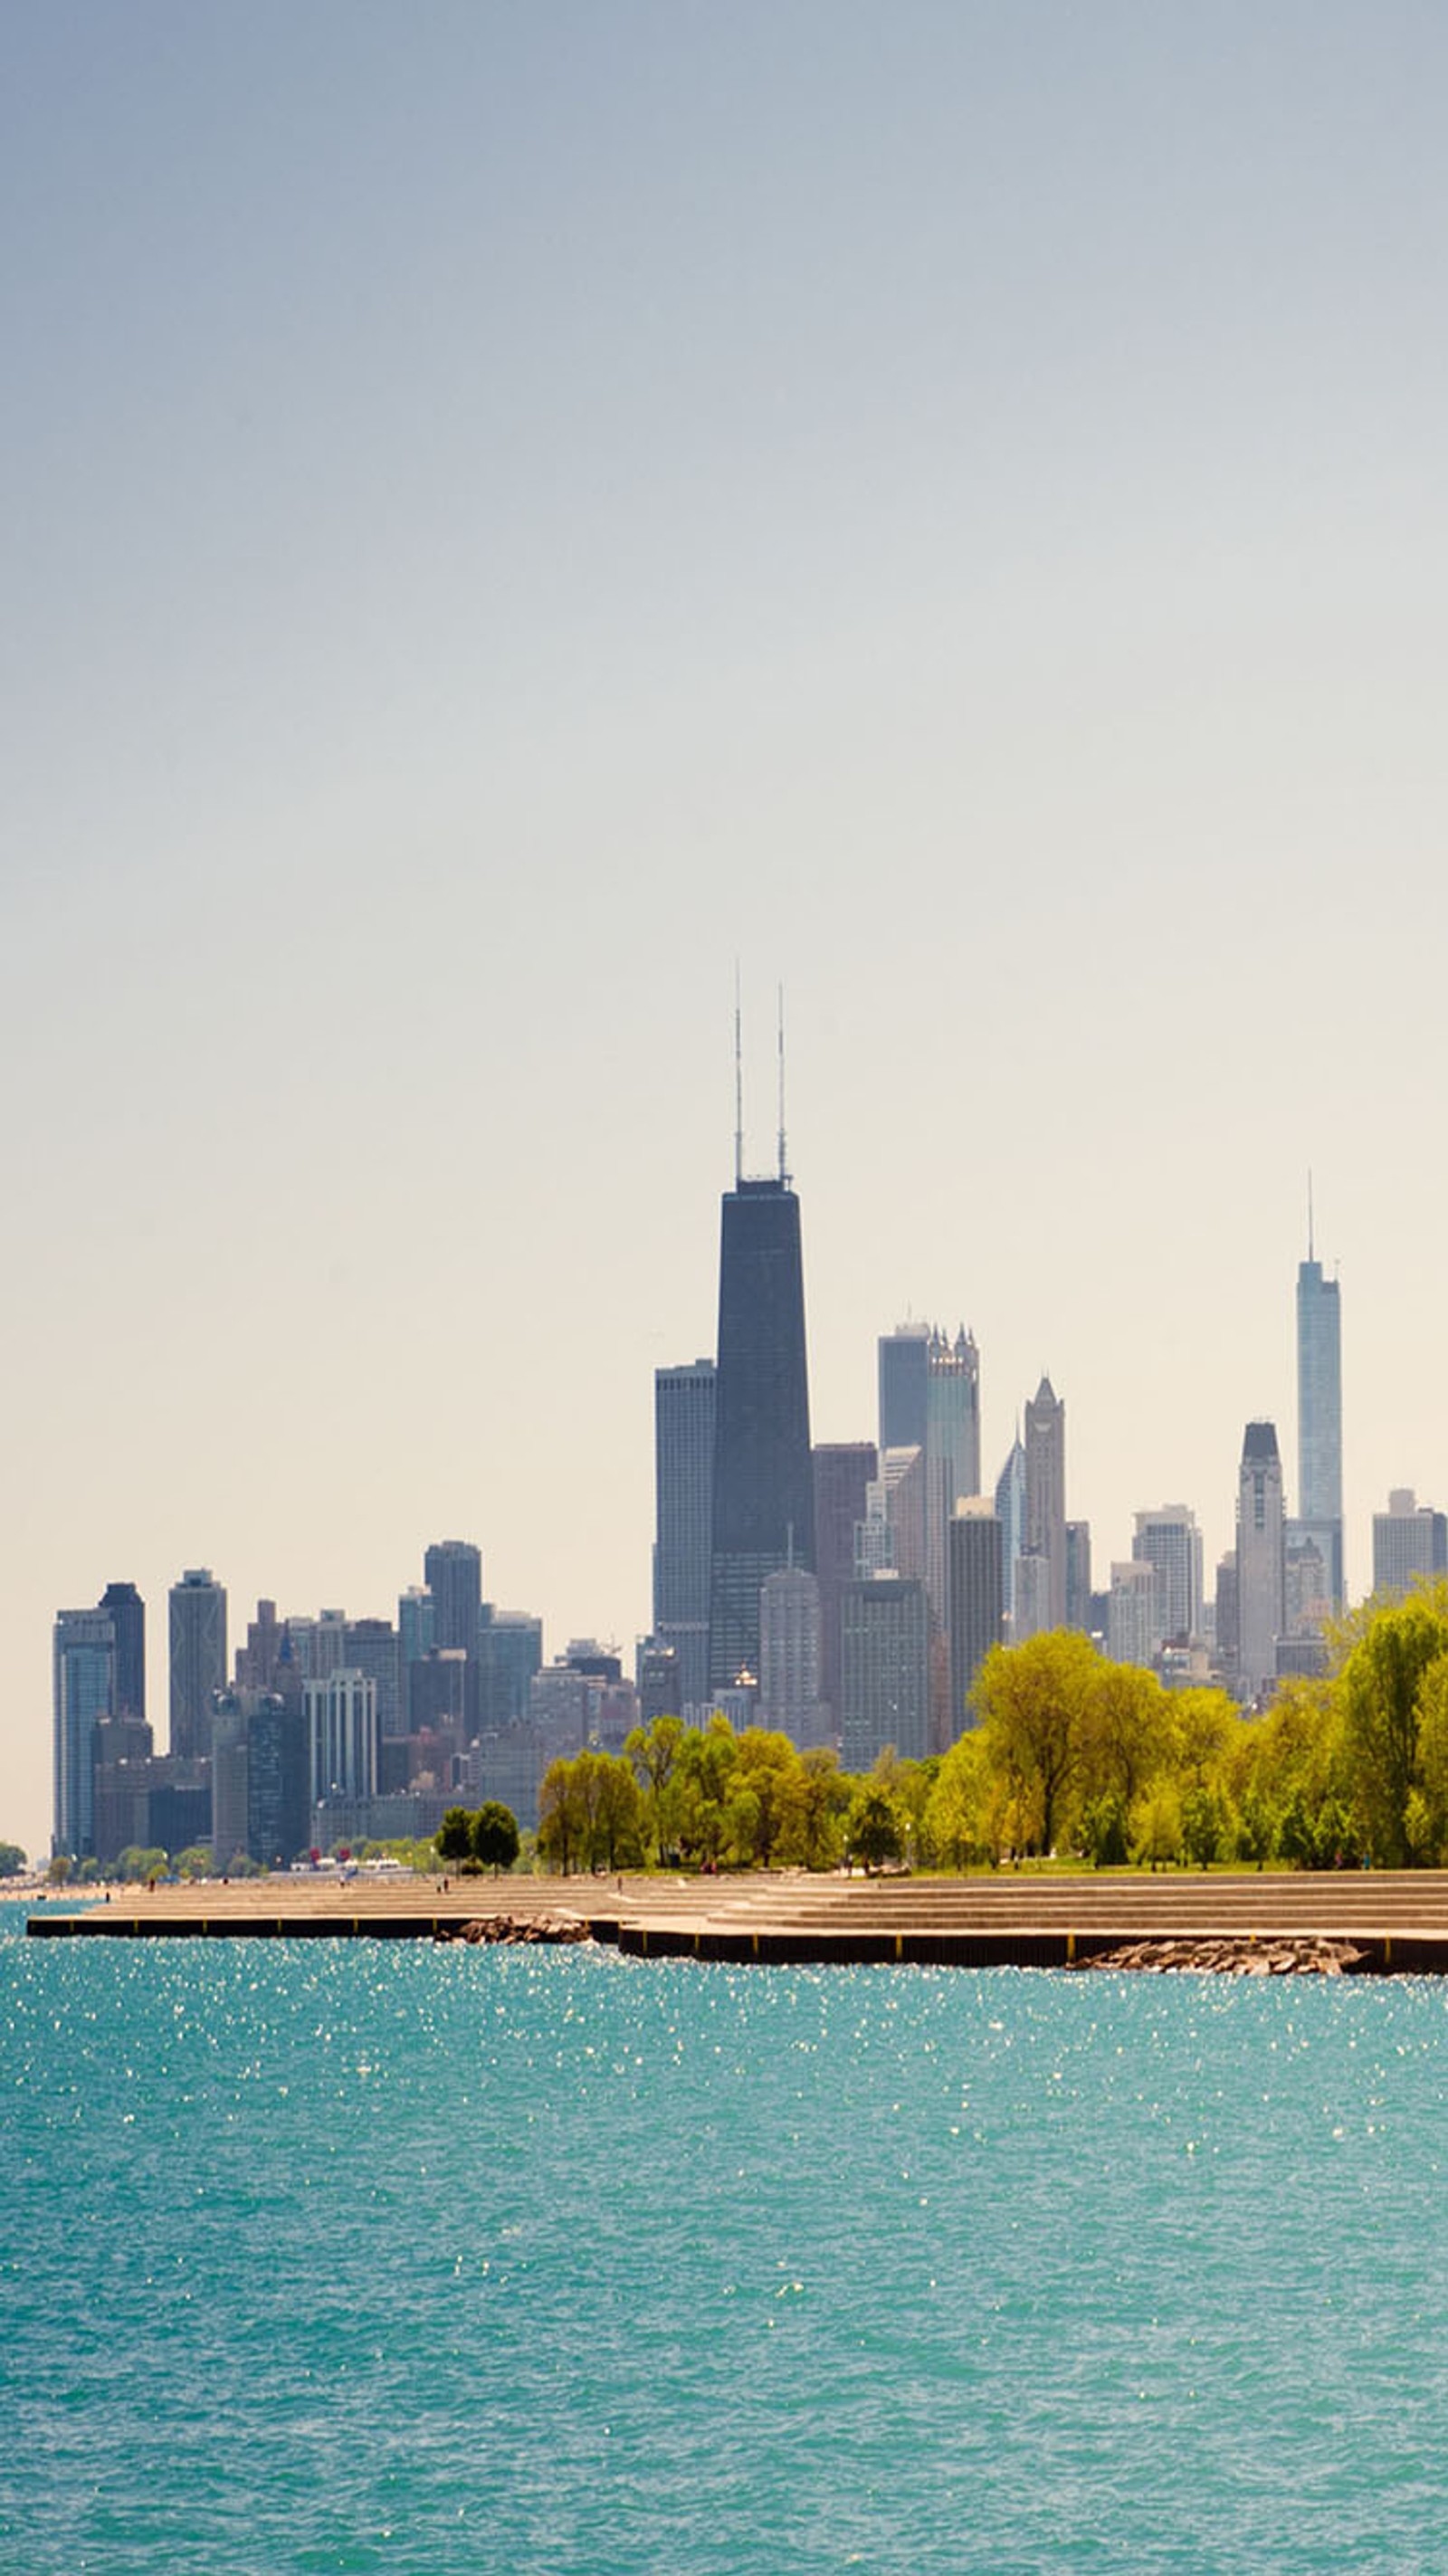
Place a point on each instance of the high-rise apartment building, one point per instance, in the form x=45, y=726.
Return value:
x=83, y=1668
x=1170, y=1542
x=1260, y=1559
x=684, y=1415
x=763, y=1504
x=198, y=1658
x=1410, y=1541
x=885, y=1654
x=1010, y=1503
x=1133, y=1635
x=342, y=1734
x=977, y=1600
x=843, y=1474
x=1319, y=1417
x=790, y=1695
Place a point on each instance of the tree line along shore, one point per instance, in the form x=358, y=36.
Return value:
x=1069, y=1756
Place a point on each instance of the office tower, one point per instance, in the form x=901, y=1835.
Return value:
x=1319, y=1415
x=83, y=1670
x=1259, y=1559
x=198, y=1658
x=126, y=1611
x=1010, y=1503
x=790, y=1695
x=885, y=1663
x=121, y=1770
x=891, y=1538
x=1410, y=1541
x=684, y=1414
x=229, y=1769
x=977, y=1600
x=952, y=1453
x=1132, y=1633
x=843, y=1472
x=1078, y=1576
x=1045, y=1530
x=342, y=1736
x=904, y=1364
x=257, y=1660
x=370, y=1646
x=512, y=1651
x=656, y=1673
x=763, y=1508
x=1225, y=1623
x=278, y=1782
x=416, y=1632
x=453, y=1572
x=1170, y=1542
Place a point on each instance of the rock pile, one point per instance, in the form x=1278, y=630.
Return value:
x=515, y=1928
x=1234, y=1955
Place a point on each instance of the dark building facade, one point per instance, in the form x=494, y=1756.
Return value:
x=453, y=1572
x=763, y=1508
x=684, y=1418
x=844, y=1471
x=126, y=1611
x=977, y=1605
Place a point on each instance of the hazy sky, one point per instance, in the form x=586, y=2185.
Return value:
x=508, y=508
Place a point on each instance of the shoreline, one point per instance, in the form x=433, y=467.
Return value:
x=1396, y=1923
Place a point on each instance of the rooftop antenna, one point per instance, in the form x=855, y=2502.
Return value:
x=738, y=1084
x=1309, y=1211
x=783, y=1171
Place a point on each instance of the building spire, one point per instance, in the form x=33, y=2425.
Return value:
x=1309, y=1211
x=783, y=1165
x=738, y=1083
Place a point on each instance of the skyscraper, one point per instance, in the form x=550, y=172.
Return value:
x=1259, y=1559
x=84, y=1646
x=1045, y=1515
x=1409, y=1539
x=885, y=1654
x=904, y=1360
x=1010, y=1503
x=952, y=1454
x=1319, y=1416
x=126, y=1612
x=684, y=1413
x=453, y=1572
x=763, y=1506
x=789, y=1655
x=1169, y=1541
x=977, y=1600
x=843, y=1472
x=198, y=1658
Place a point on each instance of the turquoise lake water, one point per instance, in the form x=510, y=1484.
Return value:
x=380, y=2256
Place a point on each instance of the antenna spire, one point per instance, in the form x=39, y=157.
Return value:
x=783, y=1166
x=1309, y=1211
x=738, y=1084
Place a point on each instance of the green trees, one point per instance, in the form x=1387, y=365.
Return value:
x=12, y=1860
x=590, y=1813
x=455, y=1835
x=1388, y=1688
x=495, y=1835
x=1034, y=1700
x=486, y=1838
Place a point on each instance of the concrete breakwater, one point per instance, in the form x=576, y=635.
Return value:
x=1395, y=1922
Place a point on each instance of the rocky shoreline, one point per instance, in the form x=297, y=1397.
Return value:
x=516, y=1929
x=1233, y=1955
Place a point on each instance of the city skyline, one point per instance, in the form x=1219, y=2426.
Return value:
x=510, y=515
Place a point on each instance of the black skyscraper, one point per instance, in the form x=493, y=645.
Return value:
x=126, y=1611
x=763, y=1479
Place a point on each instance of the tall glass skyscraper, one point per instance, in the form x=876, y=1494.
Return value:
x=763, y=1481
x=684, y=1517
x=1319, y=1418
